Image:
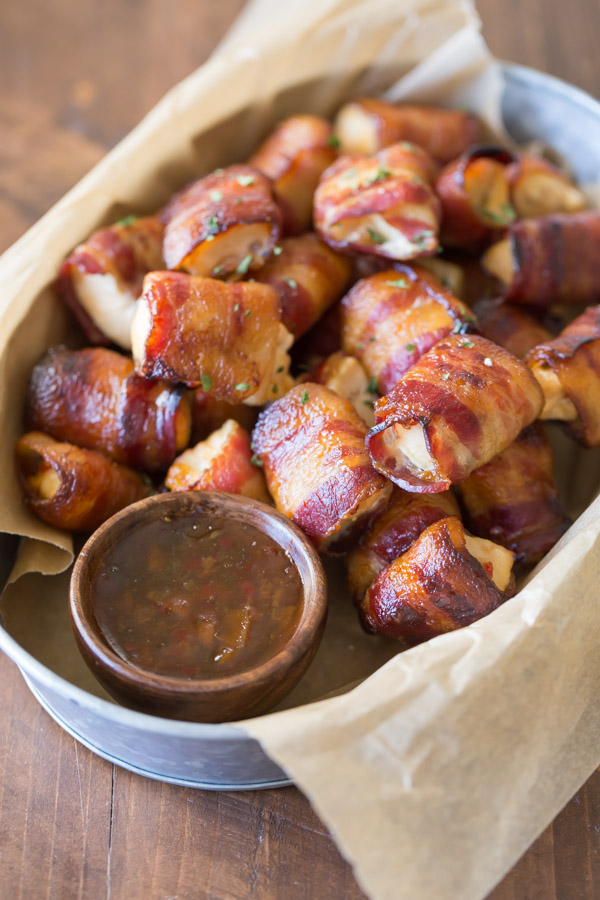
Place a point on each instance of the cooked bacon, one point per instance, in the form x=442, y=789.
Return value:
x=510, y=326
x=102, y=278
x=367, y=125
x=474, y=193
x=347, y=377
x=405, y=517
x=391, y=319
x=71, y=488
x=312, y=446
x=309, y=277
x=383, y=204
x=513, y=499
x=446, y=580
x=226, y=223
x=459, y=406
x=294, y=156
x=568, y=371
x=554, y=259
x=208, y=414
x=226, y=337
x=220, y=463
x=94, y=399
x=537, y=188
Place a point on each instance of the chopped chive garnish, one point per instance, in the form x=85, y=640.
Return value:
x=206, y=382
x=213, y=225
x=333, y=141
x=245, y=180
x=467, y=344
x=410, y=347
x=280, y=368
x=292, y=283
x=359, y=346
x=127, y=220
x=304, y=397
x=372, y=340
x=277, y=251
x=274, y=389
x=398, y=282
x=216, y=195
x=349, y=173
x=217, y=270
x=372, y=389
x=244, y=265
x=236, y=307
x=248, y=313
x=380, y=175
x=242, y=386
x=446, y=376
x=255, y=460
x=375, y=236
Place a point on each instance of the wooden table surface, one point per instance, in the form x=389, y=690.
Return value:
x=74, y=78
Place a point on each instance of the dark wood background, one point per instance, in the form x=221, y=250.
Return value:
x=74, y=78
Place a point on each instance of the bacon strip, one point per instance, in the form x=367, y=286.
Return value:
x=568, y=371
x=459, y=406
x=226, y=223
x=102, y=278
x=294, y=156
x=308, y=277
x=94, y=399
x=391, y=319
x=405, y=517
x=474, y=192
x=312, y=446
x=71, y=488
x=367, y=125
x=226, y=337
x=223, y=462
x=510, y=326
x=384, y=204
x=513, y=499
x=554, y=259
x=446, y=580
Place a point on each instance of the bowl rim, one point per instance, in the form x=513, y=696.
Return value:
x=297, y=545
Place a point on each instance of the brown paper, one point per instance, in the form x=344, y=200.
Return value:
x=437, y=771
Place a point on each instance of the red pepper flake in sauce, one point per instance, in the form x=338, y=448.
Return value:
x=193, y=598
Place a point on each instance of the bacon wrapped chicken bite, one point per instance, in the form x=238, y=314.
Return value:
x=367, y=125
x=101, y=280
x=446, y=580
x=223, y=462
x=312, y=447
x=510, y=326
x=226, y=337
x=568, y=372
x=554, y=259
x=405, y=517
x=225, y=224
x=474, y=193
x=71, y=488
x=513, y=500
x=391, y=319
x=383, y=204
x=294, y=156
x=537, y=188
x=347, y=377
x=459, y=406
x=309, y=277
x=93, y=398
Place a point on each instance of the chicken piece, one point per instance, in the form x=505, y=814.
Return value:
x=513, y=500
x=554, y=259
x=225, y=224
x=94, y=399
x=226, y=337
x=347, y=377
x=312, y=446
x=367, y=125
x=474, y=193
x=459, y=406
x=223, y=462
x=294, y=156
x=383, y=204
x=447, y=579
x=509, y=326
x=568, y=372
x=71, y=488
x=309, y=277
x=101, y=280
x=537, y=188
x=399, y=525
x=391, y=319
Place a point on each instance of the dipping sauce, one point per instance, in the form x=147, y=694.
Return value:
x=196, y=597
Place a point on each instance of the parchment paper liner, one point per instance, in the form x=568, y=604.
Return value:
x=439, y=770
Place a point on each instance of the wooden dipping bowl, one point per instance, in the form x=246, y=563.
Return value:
x=223, y=697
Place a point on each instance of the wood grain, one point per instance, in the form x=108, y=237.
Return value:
x=75, y=78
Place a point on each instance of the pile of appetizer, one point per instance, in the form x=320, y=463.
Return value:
x=362, y=325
